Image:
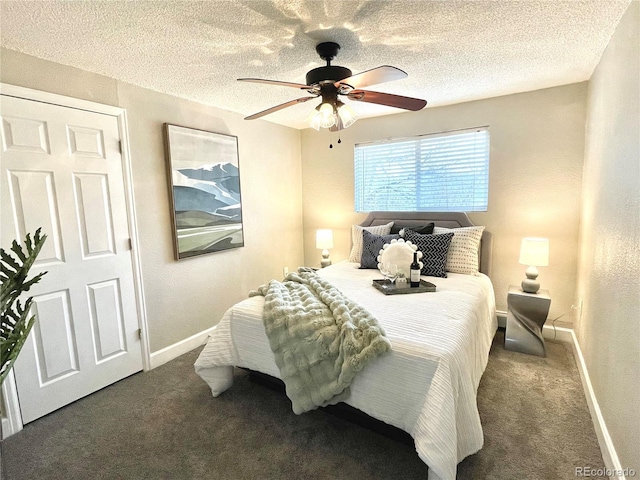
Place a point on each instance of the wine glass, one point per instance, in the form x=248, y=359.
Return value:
x=389, y=271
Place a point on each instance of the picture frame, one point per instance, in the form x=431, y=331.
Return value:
x=204, y=188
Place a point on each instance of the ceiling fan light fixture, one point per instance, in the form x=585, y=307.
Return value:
x=346, y=114
x=314, y=120
x=324, y=116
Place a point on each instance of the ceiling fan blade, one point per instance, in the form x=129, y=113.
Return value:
x=398, y=101
x=275, y=82
x=374, y=76
x=278, y=107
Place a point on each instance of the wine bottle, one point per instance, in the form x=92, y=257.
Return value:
x=415, y=271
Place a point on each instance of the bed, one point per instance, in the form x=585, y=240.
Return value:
x=426, y=385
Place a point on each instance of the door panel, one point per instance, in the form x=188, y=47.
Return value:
x=53, y=337
x=106, y=320
x=62, y=171
x=93, y=208
x=29, y=216
x=25, y=134
x=85, y=142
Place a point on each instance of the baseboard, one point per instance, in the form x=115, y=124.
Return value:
x=562, y=334
x=180, y=348
x=609, y=455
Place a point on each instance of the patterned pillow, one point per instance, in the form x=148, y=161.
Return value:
x=371, y=246
x=434, y=250
x=356, y=238
x=463, y=253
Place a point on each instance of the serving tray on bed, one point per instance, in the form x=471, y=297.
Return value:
x=390, y=288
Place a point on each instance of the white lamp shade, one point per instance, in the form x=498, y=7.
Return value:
x=324, y=239
x=534, y=252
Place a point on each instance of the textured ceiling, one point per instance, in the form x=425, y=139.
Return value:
x=453, y=51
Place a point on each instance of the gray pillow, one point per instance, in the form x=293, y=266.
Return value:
x=421, y=229
x=434, y=250
x=371, y=246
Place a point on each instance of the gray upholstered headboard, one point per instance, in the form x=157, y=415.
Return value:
x=441, y=219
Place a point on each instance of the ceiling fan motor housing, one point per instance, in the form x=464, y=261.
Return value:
x=329, y=73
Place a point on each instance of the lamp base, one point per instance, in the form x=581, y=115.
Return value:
x=326, y=261
x=530, y=286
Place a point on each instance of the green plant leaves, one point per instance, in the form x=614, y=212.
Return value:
x=15, y=322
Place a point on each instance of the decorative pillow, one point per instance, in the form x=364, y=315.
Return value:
x=356, y=238
x=371, y=246
x=434, y=250
x=400, y=254
x=421, y=229
x=463, y=252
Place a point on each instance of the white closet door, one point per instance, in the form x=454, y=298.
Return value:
x=62, y=171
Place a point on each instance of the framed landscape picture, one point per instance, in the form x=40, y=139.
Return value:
x=204, y=180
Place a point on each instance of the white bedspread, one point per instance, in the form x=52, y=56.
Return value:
x=426, y=385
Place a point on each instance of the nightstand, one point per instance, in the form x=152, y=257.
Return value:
x=526, y=315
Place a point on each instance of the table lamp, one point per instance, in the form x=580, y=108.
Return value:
x=324, y=241
x=534, y=252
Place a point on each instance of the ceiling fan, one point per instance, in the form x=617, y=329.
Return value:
x=331, y=81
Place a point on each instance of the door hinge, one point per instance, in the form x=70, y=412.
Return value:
x=130, y=243
x=120, y=145
x=139, y=333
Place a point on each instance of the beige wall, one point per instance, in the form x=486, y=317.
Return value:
x=609, y=267
x=186, y=297
x=537, y=148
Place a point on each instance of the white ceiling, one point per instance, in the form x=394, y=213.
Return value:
x=453, y=51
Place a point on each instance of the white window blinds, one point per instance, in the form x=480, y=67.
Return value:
x=439, y=172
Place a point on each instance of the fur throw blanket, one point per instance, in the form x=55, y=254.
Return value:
x=320, y=338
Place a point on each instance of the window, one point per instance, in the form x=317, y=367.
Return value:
x=438, y=172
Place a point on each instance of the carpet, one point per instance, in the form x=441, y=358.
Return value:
x=164, y=424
